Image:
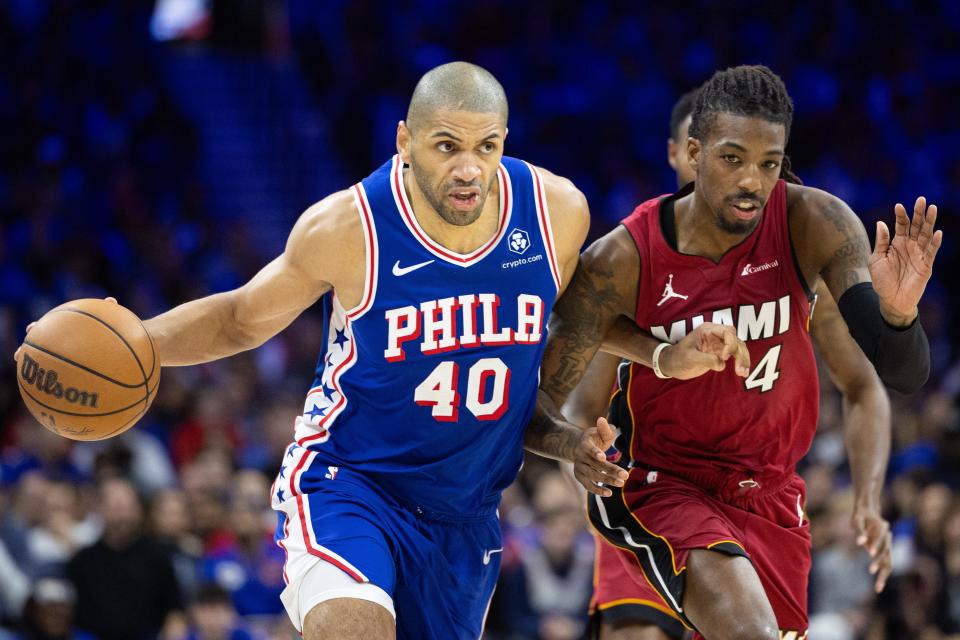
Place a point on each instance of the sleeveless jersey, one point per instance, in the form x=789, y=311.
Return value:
x=425, y=388
x=720, y=425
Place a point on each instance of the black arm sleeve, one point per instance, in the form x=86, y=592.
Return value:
x=900, y=356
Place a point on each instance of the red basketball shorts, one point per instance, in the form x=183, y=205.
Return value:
x=659, y=519
x=622, y=593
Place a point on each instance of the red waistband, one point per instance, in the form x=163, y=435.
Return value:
x=726, y=485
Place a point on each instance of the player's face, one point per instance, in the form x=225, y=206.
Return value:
x=454, y=158
x=677, y=154
x=736, y=168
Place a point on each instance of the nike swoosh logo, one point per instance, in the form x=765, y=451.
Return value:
x=402, y=271
x=488, y=553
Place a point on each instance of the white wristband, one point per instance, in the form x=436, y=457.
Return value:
x=656, y=360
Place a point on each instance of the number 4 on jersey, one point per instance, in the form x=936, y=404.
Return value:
x=439, y=390
x=766, y=372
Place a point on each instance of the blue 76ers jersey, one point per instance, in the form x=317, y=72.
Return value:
x=424, y=389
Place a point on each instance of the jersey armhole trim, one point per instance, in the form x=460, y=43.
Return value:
x=543, y=219
x=793, y=253
x=636, y=243
x=371, y=261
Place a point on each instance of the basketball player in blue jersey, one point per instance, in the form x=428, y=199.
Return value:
x=437, y=274
x=625, y=610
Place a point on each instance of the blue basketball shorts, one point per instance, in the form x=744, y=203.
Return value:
x=343, y=538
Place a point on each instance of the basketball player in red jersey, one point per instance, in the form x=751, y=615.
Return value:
x=627, y=610
x=713, y=509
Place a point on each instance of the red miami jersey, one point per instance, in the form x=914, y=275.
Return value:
x=720, y=425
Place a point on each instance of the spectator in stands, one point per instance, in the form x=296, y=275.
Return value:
x=125, y=582
x=50, y=611
x=213, y=617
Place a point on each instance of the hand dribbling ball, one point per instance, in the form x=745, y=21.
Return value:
x=88, y=370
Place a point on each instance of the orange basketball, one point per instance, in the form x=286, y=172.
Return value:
x=88, y=370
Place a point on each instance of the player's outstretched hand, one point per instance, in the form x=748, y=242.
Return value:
x=590, y=466
x=706, y=348
x=873, y=534
x=901, y=268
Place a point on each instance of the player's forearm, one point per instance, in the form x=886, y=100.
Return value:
x=548, y=434
x=200, y=331
x=867, y=436
x=901, y=355
x=626, y=340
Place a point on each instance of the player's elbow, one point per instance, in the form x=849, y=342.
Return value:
x=238, y=328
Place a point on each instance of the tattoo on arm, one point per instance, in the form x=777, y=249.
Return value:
x=548, y=434
x=602, y=287
x=579, y=323
x=847, y=265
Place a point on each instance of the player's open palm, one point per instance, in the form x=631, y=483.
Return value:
x=590, y=466
x=901, y=267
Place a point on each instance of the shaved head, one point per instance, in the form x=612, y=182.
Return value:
x=456, y=86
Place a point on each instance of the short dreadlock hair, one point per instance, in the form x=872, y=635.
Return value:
x=748, y=90
x=681, y=110
x=753, y=91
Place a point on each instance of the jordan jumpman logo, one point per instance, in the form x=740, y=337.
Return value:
x=668, y=292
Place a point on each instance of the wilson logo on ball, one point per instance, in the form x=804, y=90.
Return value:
x=48, y=381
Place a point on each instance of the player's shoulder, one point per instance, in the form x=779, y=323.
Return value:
x=820, y=224
x=335, y=215
x=565, y=199
x=812, y=204
x=647, y=207
x=329, y=232
x=569, y=211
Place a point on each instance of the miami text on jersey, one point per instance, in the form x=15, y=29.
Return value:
x=753, y=321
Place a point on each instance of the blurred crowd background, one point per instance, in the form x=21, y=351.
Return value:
x=157, y=153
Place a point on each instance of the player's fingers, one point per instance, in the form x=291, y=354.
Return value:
x=16, y=354
x=880, y=541
x=919, y=212
x=111, y=299
x=857, y=521
x=703, y=362
x=886, y=566
x=595, y=475
x=902, y=227
x=730, y=345
x=742, y=359
x=611, y=472
x=596, y=459
x=926, y=230
x=882, y=244
x=589, y=484
x=606, y=433
x=934, y=246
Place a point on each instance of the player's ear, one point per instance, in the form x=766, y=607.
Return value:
x=672, y=150
x=404, y=140
x=693, y=153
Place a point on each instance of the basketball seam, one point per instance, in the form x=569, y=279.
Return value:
x=80, y=366
x=74, y=413
x=125, y=424
x=146, y=385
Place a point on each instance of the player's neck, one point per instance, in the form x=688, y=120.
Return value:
x=460, y=239
x=697, y=230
